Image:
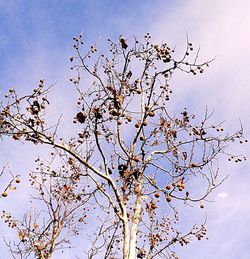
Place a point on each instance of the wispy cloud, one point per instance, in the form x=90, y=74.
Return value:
x=223, y=195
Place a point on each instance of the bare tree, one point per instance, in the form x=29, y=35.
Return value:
x=138, y=159
x=65, y=204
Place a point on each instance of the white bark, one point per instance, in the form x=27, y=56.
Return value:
x=133, y=232
x=126, y=240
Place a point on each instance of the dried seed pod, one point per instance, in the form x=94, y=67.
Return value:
x=129, y=119
x=137, y=159
x=151, y=114
x=4, y=194
x=153, y=206
x=81, y=117
x=157, y=195
x=169, y=199
x=168, y=187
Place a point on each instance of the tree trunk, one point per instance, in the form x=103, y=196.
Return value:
x=126, y=240
x=133, y=232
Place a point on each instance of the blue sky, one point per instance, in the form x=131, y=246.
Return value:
x=36, y=42
x=31, y=26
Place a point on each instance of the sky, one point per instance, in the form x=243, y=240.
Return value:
x=36, y=42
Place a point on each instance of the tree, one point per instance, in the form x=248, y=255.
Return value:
x=10, y=181
x=41, y=232
x=134, y=158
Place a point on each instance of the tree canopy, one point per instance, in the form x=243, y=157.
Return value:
x=130, y=163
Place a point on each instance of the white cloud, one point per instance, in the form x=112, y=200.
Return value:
x=223, y=195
